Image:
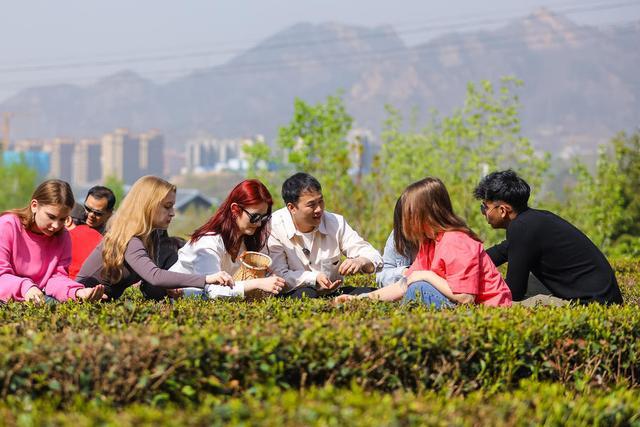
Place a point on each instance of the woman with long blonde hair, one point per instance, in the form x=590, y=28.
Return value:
x=127, y=253
x=35, y=249
x=451, y=266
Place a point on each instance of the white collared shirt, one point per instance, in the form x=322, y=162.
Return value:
x=333, y=238
x=209, y=256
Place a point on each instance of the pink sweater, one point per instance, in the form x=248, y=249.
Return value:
x=28, y=259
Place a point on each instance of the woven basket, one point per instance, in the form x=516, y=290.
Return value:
x=253, y=265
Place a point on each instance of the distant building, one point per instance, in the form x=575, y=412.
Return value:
x=361, y=149
x=87, y=162
x=30, y=145
x=38, y=160
x=128, y=157
x=151, y=154
x=121, y=156
x=187, y=198
x=62, y=159
x=35, y=153
x=208, y=154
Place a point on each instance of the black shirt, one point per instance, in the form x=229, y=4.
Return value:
x=559, y=255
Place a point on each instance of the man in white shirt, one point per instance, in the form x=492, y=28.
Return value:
x=307, y=243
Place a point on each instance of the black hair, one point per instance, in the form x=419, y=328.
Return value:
x=100, y=192
x=504, y=186
x=297, y=184
x=78, y=214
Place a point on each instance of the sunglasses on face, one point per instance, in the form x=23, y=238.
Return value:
x=485, y=209
x=255, y=218
x=89, y=210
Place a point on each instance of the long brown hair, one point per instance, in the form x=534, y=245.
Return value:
x=50, y=192
x=134, y=218
x=247, y=193
x=427, y=211
x=404, y=247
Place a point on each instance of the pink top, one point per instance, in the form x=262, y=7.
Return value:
x=29, y=259
x=465, y=265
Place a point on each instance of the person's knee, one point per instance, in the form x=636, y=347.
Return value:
x=425, y=292
x=422, y=287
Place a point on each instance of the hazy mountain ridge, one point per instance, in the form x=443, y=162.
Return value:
x=581, y=83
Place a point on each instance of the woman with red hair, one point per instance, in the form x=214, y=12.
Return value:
x=240, y=224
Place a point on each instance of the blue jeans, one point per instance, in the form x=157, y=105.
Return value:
x=425, y=293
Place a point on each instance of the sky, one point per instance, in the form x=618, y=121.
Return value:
x=80, y=41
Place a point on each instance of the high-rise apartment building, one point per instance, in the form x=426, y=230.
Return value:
x=151, y=153
x=206, y=153
x=87, y=162
x=62, y=159
x=121, y=156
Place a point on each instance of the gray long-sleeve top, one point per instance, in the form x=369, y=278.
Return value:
x=137, y=266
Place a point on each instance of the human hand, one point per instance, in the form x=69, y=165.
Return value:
x=325, y=283
x=91, y=294
x=220, y=278
x=175, y=293
x=353, y=265
x=35, y=295
x=272, y=284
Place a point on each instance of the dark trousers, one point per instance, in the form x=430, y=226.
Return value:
x=312, y=292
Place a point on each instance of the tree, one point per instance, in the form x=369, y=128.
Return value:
x=117, y=186
x=480, y=137
x=18, y=183
x=315, y=141
x=606, y=204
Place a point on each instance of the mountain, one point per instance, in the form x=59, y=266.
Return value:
x=581, y=83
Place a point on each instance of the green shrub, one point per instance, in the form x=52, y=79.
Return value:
x=140, y=351
x=531, y=404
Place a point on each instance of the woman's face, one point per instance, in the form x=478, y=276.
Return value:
x=243, y=217
x=165, y=212
x=48, y=219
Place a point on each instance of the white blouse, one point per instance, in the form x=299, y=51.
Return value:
x=208, y=256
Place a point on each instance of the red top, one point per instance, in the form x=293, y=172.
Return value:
x=465, y=265
x=84, y=240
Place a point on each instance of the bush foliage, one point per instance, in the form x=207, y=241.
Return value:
x=138, y=351
x=531, y=403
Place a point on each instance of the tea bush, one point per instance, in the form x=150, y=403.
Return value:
x=531, y=403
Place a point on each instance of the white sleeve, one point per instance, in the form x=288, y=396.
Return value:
x=218, y=291
x=353, y=246
x=201, y=257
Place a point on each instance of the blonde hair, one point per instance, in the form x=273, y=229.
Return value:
x=134, y=218
x=426, y=206
x=52, y=192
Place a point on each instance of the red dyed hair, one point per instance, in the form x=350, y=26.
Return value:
x=247, y=193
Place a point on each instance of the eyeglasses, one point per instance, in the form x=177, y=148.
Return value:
x=97, y=213
x=486, y=209
x=255, y=218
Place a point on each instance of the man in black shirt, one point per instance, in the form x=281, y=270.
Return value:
x=540, y=242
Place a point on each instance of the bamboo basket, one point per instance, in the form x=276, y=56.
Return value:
x=253, y=265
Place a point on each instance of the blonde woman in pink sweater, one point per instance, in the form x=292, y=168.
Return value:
x=35, y=249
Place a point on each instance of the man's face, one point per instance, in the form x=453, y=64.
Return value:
x=497, y=214
x=97, y=213
x=307, y=212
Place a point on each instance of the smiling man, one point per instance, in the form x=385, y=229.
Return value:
x=307, y=243
x=556, y=252
x=99, y=207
